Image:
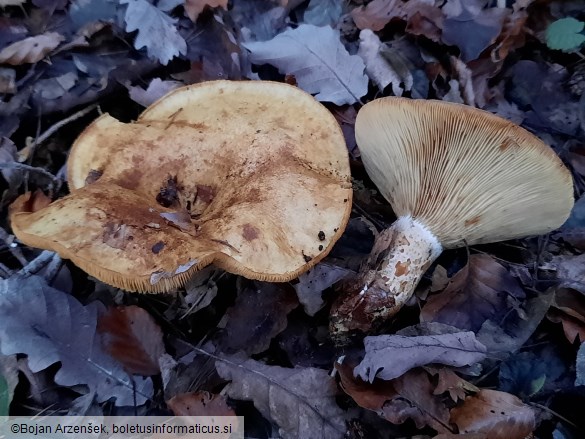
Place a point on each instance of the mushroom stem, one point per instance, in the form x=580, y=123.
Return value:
x=400, y=256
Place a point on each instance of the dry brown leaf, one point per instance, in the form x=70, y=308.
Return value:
x=131, y=336
x=569, y=309
x=195, y=7
x=300, y=400
x=377, y=14
x=450, y=382
x=407, y=397
x=200, y=404
x=498, y=414
x=31, y=49
x=570, y=271
x=480, y=291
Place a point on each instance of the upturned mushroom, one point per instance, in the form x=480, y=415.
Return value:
x=455, y=176
x=251, y=176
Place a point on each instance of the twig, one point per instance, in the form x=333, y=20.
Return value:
x=38, y=263
x=15, y=165
x=57, y=126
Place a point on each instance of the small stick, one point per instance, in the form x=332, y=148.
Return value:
x=57, y=126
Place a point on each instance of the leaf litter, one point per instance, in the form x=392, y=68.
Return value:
x=517, y=306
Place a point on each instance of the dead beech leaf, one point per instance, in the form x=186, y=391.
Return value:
x=259, y=314
x=195, y=7
x=568, y=308
x=408, y=397
x=131, y=336
x=156, y=89
x=480, y=291
x=389, y=356
x=301, y=401
x=498, y=414
x=200, y=404
x=31, y=49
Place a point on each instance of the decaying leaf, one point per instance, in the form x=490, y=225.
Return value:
x=570, y=271
x=8, y=381
x=200, y=404
x=156, y=31
x=259, y=314
x=131, y=336
x=498, y=414
x=51, y=326
x=449, y=381
x=300, y=401
x=482, y=290
x=156, y=89
x=389, y=356
x=408, y=397
x=195, y=7
x=31, y=49
x=314, y=282
x=580, y=366
x=569, y=309
x=378, y=68
x=318, y=61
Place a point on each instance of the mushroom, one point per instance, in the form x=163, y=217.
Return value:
x=251, y=176
x=455, y=176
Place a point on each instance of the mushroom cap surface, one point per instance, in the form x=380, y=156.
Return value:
x=252, y=176
x=471, y=177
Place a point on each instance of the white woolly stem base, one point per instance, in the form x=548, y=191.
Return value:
x=400, y=256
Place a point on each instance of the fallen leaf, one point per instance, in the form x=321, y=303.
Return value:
x=131, y=336
x=378, y=68
x=570, y=271
x=508, y=335
x=569, y=309
x=51, y=326
x=480, y=291
x=31, y=49
x=473, y=31
x=498, y=414
x=156, y=89
x=408, y=397
x=323, y=12
x=156, y=31
x=527, y=373
x=200, y=404
x=258, y=315
x=301, y=401
x=449, y=381
x=8, y=382
x=4, y=3
x=389, y=356
x=195, y=7
x=580, y=366
x=376, y=14
x=200, y=290
x=7, y=81
x=320, y=63
x=312, y=283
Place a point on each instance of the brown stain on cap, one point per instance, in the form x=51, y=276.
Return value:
x=250, y=232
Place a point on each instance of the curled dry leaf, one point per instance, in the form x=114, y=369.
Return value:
x=498, y=414
x=410, y=396
x=476, y=293
x=301, y=400
x=568, y=308
x=389, y=356
x=31, y=49
x=449, y=381
x=131, y=336
x=314, y=282
x=195, y=7
x=570, y=271
x=200, y=404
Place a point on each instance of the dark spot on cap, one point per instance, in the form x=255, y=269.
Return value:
x=156, y=248
x=250, y=232
x=320, y=247
x=306, y=258
x=321, y=235
x=93, y=176
x=168, y=193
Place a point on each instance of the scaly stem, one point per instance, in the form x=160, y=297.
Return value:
x=400, y=256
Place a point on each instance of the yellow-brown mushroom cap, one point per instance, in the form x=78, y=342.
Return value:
x=466, y=174
x=252, y=176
